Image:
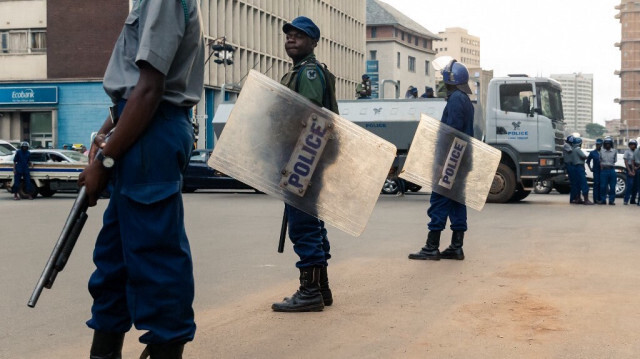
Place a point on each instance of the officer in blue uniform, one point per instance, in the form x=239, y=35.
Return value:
x=458, y=113
x=608, y=178
x=594, y=157
x=312, y=80
x=578, y=159
x=144, y=273
x=21, y=162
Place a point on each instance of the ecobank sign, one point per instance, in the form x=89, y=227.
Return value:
x=28, y=95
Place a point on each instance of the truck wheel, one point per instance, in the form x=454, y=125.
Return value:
x=621, y=184
x=543, y=186
x=46, y=191
x=22, y=192
x=390, y=186
x=503, y=186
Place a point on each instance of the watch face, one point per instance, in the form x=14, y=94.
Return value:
x=108, y=162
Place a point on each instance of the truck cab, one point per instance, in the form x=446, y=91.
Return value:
x=524, y=120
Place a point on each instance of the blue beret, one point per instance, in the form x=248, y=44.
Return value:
x=305, y=25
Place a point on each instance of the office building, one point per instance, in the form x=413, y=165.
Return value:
x=577, y=101
x=629, y=16
x=399, y=52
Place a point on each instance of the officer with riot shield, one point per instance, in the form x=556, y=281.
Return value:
x=458, y=113
x=311, y=79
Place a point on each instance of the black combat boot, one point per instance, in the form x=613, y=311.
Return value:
x=163, y=351
x=327, y=297
x=430, y=250
x=106, y=345
x=455, y=249
x=308, y=298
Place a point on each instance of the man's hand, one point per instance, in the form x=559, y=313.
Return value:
x=98, y=142
x=95, y=178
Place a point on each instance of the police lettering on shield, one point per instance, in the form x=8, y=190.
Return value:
x=450, y=169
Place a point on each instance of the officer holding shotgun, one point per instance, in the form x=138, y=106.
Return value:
x=144, y=272
x=314, y=81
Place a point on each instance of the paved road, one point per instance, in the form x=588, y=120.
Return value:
x=542, y=279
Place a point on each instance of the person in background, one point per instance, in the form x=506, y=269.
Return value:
x=594, y=157
x=607, y=172
x=428, y=93
x=567, y=156
x=630, y=168
x=636, y=181
x=581, y=176
x=412, y=92
x=363, y=90
x=21, y=164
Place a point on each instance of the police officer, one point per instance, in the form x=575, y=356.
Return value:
x=568, y=158
x=312, y=80
x=412, y=92
x=607, y=172
x=428, y=93
x=144, y=273
x=594, y=156
x=630, y=167
x=363, y=90
x=21, y=163
x=458, y=113
x=636, y=181
x=579, y=158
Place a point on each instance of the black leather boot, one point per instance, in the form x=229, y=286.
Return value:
x=106, y=345
x=163, y=351
x=308, y=298
x=455, y=249
x=430, y=250
x=327, y=297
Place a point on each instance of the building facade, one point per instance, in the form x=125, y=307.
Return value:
x=577, y=101
x=629, y=16
x=399, y=52
x=459, y=44
x=54, y=55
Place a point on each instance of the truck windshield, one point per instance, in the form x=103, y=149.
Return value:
x=549, y=101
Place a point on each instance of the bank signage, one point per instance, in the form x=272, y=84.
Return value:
x=28, y=95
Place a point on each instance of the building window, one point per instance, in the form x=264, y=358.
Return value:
x=374, y=32
x=424, y=43
x=409, y=38
x=426, y=67
x=416, y=42
x=398, y=60
x=23, y=41
x=373, y=54
x=412, y=64
x=402, y=35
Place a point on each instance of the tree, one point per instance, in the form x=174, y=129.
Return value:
x=595, y=130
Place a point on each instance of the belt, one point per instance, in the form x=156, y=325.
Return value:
x=164, y=106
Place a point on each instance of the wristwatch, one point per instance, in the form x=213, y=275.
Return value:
x=107, y=162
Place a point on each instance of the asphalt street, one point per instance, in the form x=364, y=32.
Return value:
x=542, y=279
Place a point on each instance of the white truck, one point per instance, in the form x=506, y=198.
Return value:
x=523, y=119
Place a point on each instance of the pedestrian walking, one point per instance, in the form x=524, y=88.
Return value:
x=21, y=164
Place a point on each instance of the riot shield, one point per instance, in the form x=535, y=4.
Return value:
x=284, y=145
x=451, y=163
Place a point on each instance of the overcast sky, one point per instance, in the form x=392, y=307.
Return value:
x=540, y=38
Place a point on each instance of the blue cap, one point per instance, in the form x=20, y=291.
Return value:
x=365, y=77
x=599, y=141
x=305, y=25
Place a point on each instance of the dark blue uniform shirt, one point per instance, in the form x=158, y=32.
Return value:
x=459, y=112
x=595, y=157
x=21, y=160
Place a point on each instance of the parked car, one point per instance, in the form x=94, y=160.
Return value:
x=561, y=183
x=200, y=176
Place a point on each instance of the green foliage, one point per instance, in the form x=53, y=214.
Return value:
x=595, y=130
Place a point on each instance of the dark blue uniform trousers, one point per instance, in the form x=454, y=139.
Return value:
x=581, y=179
x=596, y=183
x=442, y=207
x=608, y=179
x=309, y=238
x=17, y=177
x=574, y=182
x=629, y=188
x=144, y=273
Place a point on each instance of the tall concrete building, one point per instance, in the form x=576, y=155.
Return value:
x=629, y=16
x=399, y=51
x=459, y=44
x=577, y=101
x=53, y=56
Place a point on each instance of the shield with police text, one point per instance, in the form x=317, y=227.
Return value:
x=451, y=163
x=284, y=145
